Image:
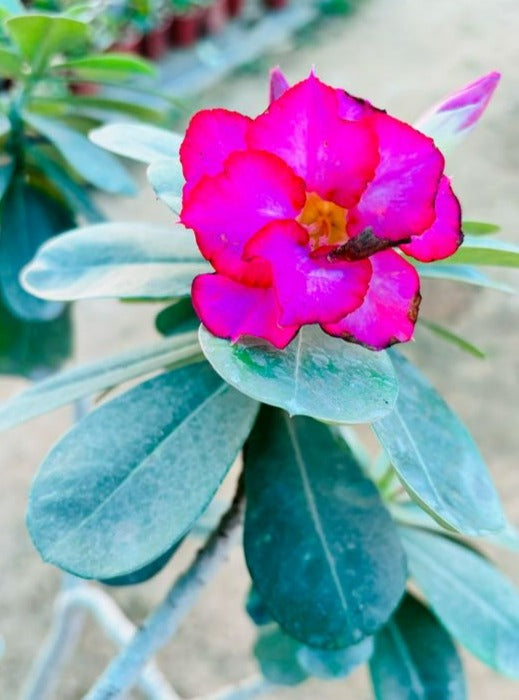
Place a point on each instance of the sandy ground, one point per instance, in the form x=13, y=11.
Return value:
x=402, y=55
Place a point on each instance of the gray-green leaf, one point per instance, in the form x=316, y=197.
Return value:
x=322, y=550
x=415, y=659
x=137, y=141
x=116, y=260
x=132, y=477
x=316, y=375
x=472, y=599
x=436, y=458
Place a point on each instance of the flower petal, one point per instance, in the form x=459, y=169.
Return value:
x=390, y=307
x=335, y=157
x=452, y=119
x=444, y=237
x=227, y=209
x=232, y=310
x=278, y=84
x=308, y=290
x=399, y=202
x=212, y=135
x=353, y=108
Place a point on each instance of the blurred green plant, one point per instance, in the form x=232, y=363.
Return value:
x=52, y=79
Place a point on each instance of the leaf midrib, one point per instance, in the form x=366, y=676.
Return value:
x=314, y=513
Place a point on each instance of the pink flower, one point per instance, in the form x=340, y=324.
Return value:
x=299, y=212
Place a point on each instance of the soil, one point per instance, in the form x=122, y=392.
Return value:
x=402, y=55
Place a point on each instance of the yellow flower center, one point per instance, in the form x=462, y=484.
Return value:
x=325, y=222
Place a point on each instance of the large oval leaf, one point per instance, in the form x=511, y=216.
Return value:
x=73, y=384
x=29, y=218
x=90, y=162
x=131, y=478
x=436, y=458
x=116, y=260
x=415, y=659
x=473, y=600
x=316, y=375
x=322, y=550
x=137, y=141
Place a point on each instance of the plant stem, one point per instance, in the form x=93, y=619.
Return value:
x=124, y=670
x=244, y=690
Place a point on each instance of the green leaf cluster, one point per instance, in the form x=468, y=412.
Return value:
x=331, y=538
x=49, y=167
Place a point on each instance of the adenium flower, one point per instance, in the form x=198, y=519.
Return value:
x=304, y=211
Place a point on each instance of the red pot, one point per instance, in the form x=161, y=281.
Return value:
x=234, y=7
x=155, y=43
x=275, y=4
x=215, y=16
x=185, y=28
x=84, y=88
x=129, y=44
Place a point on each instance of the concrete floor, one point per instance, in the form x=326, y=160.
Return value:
x=402, y=55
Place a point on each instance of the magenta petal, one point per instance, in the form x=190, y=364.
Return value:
x=353, y=108
x=452, y=118
x=212, y=135
x=336, y=158
x=232, y=310
x=278, y=84
x=309, y=290
x=444, y=237
x=390, y=307
x=399, y=202
x=254, y=189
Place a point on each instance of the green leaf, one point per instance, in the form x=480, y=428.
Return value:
x=410, y=513
x=167, y=180
x=88, y=379
x=450, y=337
x=472, y=599
x=276, y=653
x=29, y=218
x=40, y=36
x=146, y=572
x=6, y=175
x=256, y=609
x=479, y=228
x=317, y=528
x=330, y=665
x=10, y=63
x=99, y=108
x=116, y=260
x=131, y=478
x=137, y=141
x=111, y=67
x=177, y=318
x=436, y=458
x=415, y=659
x=461, y=273
x=75, y=194
x=31, y=349
x=484, y=251
x=90, y=162
x=316, y=375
